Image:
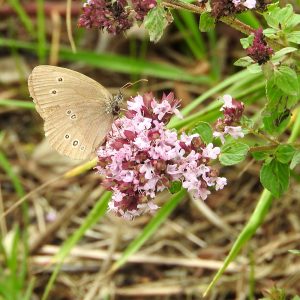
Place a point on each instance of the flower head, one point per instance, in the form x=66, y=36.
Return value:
x=114, y=16
x=259, y=51
x=141, y=157
x=246, y=3
x=232, y=113
x=142, y=7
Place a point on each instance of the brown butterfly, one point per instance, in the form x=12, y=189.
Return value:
x=78, y=111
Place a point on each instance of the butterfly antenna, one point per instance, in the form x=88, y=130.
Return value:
x=129, y=84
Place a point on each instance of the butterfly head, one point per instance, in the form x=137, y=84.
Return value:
x=117, y=99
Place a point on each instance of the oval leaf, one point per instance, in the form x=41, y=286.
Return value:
x=233, y=153
x=275, y=176
x=205, y=131
x=285, y=153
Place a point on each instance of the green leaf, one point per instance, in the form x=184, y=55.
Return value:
x=270, y=33
x=286, y=79
x=293, y=21
x=233, y=153
x=278, y=101
x=295, y=251
x=296, y=298
x=254, y=69
x=261, y=155
x=275, y=176
x=294, y=37
x=285, y=153
x=205, y=131
x=247, y=42
x=175, y=187
x=244, y=61
x=156, y=21
x=295, y=160
x=282, y=52
x=271, y=18
x=207, y=22
x=276, y=122
x=284, y=14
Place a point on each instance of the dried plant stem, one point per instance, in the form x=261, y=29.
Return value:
x=69, y=25
x=64, y=217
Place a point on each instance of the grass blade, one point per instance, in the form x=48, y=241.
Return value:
x=7, y=167
x=93, y=217
x=41, y=32
x=150, y=229
x=248, y=231
x=188, y=38
x=25, y=19
x=193, y=26
x=17, y=103
x=118, y=63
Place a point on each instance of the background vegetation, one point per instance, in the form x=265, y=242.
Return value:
x=61, y=244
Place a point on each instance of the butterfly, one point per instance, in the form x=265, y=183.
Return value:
x=77, y=111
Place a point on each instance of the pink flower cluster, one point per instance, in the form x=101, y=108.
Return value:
x=114, y=15
x=247, y=3
x=141, y=157
x=232, y=112
x=221, y=8
x=260, y=51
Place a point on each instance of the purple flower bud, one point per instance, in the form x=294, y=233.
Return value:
x=118, y=144
x=142, y=7
x=260, y=51
x=110, y=15
x=129, y=135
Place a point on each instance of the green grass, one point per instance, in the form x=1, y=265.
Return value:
x=8, y=169
x=17, y=103
x=41, y=32
x=25, y=19
x=117, y=63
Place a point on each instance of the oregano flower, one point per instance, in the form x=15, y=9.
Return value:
x=142, y=157
x=229, y=124
x=114, y=16
x=260, y=52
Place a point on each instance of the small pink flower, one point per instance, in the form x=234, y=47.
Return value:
x=136, y=105
x=220, y=183
x=126, y=176
x=211, y=152
x=220, y=135
x=148, y=169
x=227, y=102
x=235, y=131
x=161, y=109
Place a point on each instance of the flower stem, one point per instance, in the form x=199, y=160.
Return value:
x=229, y=20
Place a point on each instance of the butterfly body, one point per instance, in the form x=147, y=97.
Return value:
x=78, y=111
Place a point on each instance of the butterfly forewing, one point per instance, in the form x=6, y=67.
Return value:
x=74, y=108
x=51, y=86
